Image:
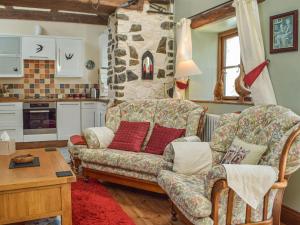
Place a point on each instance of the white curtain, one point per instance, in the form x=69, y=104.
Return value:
x=252, y=49
x=184, y=40
x=184, y=48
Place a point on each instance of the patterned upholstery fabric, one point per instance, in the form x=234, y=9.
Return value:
x=132, y=161
x=172, y=113
x=187, y=192
x=122, y=172
x=263, y=125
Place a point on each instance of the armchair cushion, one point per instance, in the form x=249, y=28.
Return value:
x=241, y=152
x=186, y=192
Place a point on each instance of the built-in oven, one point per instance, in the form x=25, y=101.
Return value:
x=39, y=118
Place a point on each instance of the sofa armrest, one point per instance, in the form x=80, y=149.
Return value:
x=98, y=137
x=169, y=151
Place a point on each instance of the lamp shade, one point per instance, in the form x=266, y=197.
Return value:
x=186, y=68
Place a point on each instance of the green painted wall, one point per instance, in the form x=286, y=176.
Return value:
x=284, y=69
x=205, y=50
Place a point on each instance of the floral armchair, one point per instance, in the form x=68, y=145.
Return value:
x=206, y=199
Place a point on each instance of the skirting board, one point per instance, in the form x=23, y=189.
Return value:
x=290, y=216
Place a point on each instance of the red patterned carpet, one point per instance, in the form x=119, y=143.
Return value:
x=92, y=204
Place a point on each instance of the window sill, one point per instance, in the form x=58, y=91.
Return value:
x=230, y=102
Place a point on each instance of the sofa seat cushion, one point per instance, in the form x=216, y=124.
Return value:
x=187, y=192
x=140, y=162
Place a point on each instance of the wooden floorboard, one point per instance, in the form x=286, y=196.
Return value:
x=143, y=207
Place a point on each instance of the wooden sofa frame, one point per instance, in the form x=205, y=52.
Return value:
x=129, y=181
x=221, y=185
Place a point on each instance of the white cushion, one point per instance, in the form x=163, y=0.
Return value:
x=241, y=152
x=104, y=135
x=191, y=157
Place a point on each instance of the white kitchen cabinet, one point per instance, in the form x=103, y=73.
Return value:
x=11, y=64
x=11, y=120
x=68, y=119
x=69, y=55
x=38, y=48
x=88, y=115
x=101, y=113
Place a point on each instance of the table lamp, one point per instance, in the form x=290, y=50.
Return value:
x=185, y=69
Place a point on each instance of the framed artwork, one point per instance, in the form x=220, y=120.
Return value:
x=284, y=32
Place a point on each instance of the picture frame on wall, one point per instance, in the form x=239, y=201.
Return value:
x=284, y=32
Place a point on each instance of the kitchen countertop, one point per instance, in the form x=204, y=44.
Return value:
x=12, y=99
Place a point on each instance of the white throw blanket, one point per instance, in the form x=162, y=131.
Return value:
x=192, y=157
x=250, y=182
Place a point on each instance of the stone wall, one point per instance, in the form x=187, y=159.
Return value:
x=131, y=34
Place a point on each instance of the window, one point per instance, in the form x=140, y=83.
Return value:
x=229, y=62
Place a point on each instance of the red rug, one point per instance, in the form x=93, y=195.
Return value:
x=92, y=204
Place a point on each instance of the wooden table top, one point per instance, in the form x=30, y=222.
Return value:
x=50, y=163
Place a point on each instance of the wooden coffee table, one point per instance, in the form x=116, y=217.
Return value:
x=35, y=192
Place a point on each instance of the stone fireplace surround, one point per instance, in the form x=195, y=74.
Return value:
x=131, y=34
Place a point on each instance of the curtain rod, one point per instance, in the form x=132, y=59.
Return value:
x=210, y=9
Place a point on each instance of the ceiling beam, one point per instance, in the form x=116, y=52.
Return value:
x=105, y=7
x=165, y=2
x=215, y=14
x=10, y=13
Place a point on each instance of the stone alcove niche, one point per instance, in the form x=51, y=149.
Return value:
x=147, y=66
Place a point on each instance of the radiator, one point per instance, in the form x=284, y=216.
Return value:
x=211, y=122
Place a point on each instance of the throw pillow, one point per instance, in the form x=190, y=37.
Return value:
x=161, y=137
x=77, y=140
x=192, y=157
x=241, y=152
x=130, y=136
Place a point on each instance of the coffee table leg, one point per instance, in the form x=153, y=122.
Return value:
x=66, y=217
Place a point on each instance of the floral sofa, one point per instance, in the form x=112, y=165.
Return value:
x=139, y=169
x=203, y=199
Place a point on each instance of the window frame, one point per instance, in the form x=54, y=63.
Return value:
x=222, y=37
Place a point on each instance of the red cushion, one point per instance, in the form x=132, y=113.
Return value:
x=161, y=137
x=130, y=136
x=77, y=140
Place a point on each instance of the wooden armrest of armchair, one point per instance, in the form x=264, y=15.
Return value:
x=222, y=185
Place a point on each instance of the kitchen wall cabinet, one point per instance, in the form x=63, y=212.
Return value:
x=11, y=120
x=38, y=48
x=69, y=57
x=11, y=63
x=68, y=119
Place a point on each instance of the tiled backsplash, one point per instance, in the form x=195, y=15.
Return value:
x=39, y=81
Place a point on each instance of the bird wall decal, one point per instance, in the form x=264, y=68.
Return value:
x=39, y=48
x=69, y=56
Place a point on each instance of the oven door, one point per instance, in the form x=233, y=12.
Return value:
x=39, y=121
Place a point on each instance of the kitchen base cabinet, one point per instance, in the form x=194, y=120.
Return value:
x=11, y=120
x=68, y=119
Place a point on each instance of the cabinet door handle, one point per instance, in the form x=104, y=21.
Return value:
x=7, y=113
x=39, y=111
x=38, y=57
x=69, y=104
x=5, y=105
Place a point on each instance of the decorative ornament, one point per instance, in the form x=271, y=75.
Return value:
x=90, y=65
